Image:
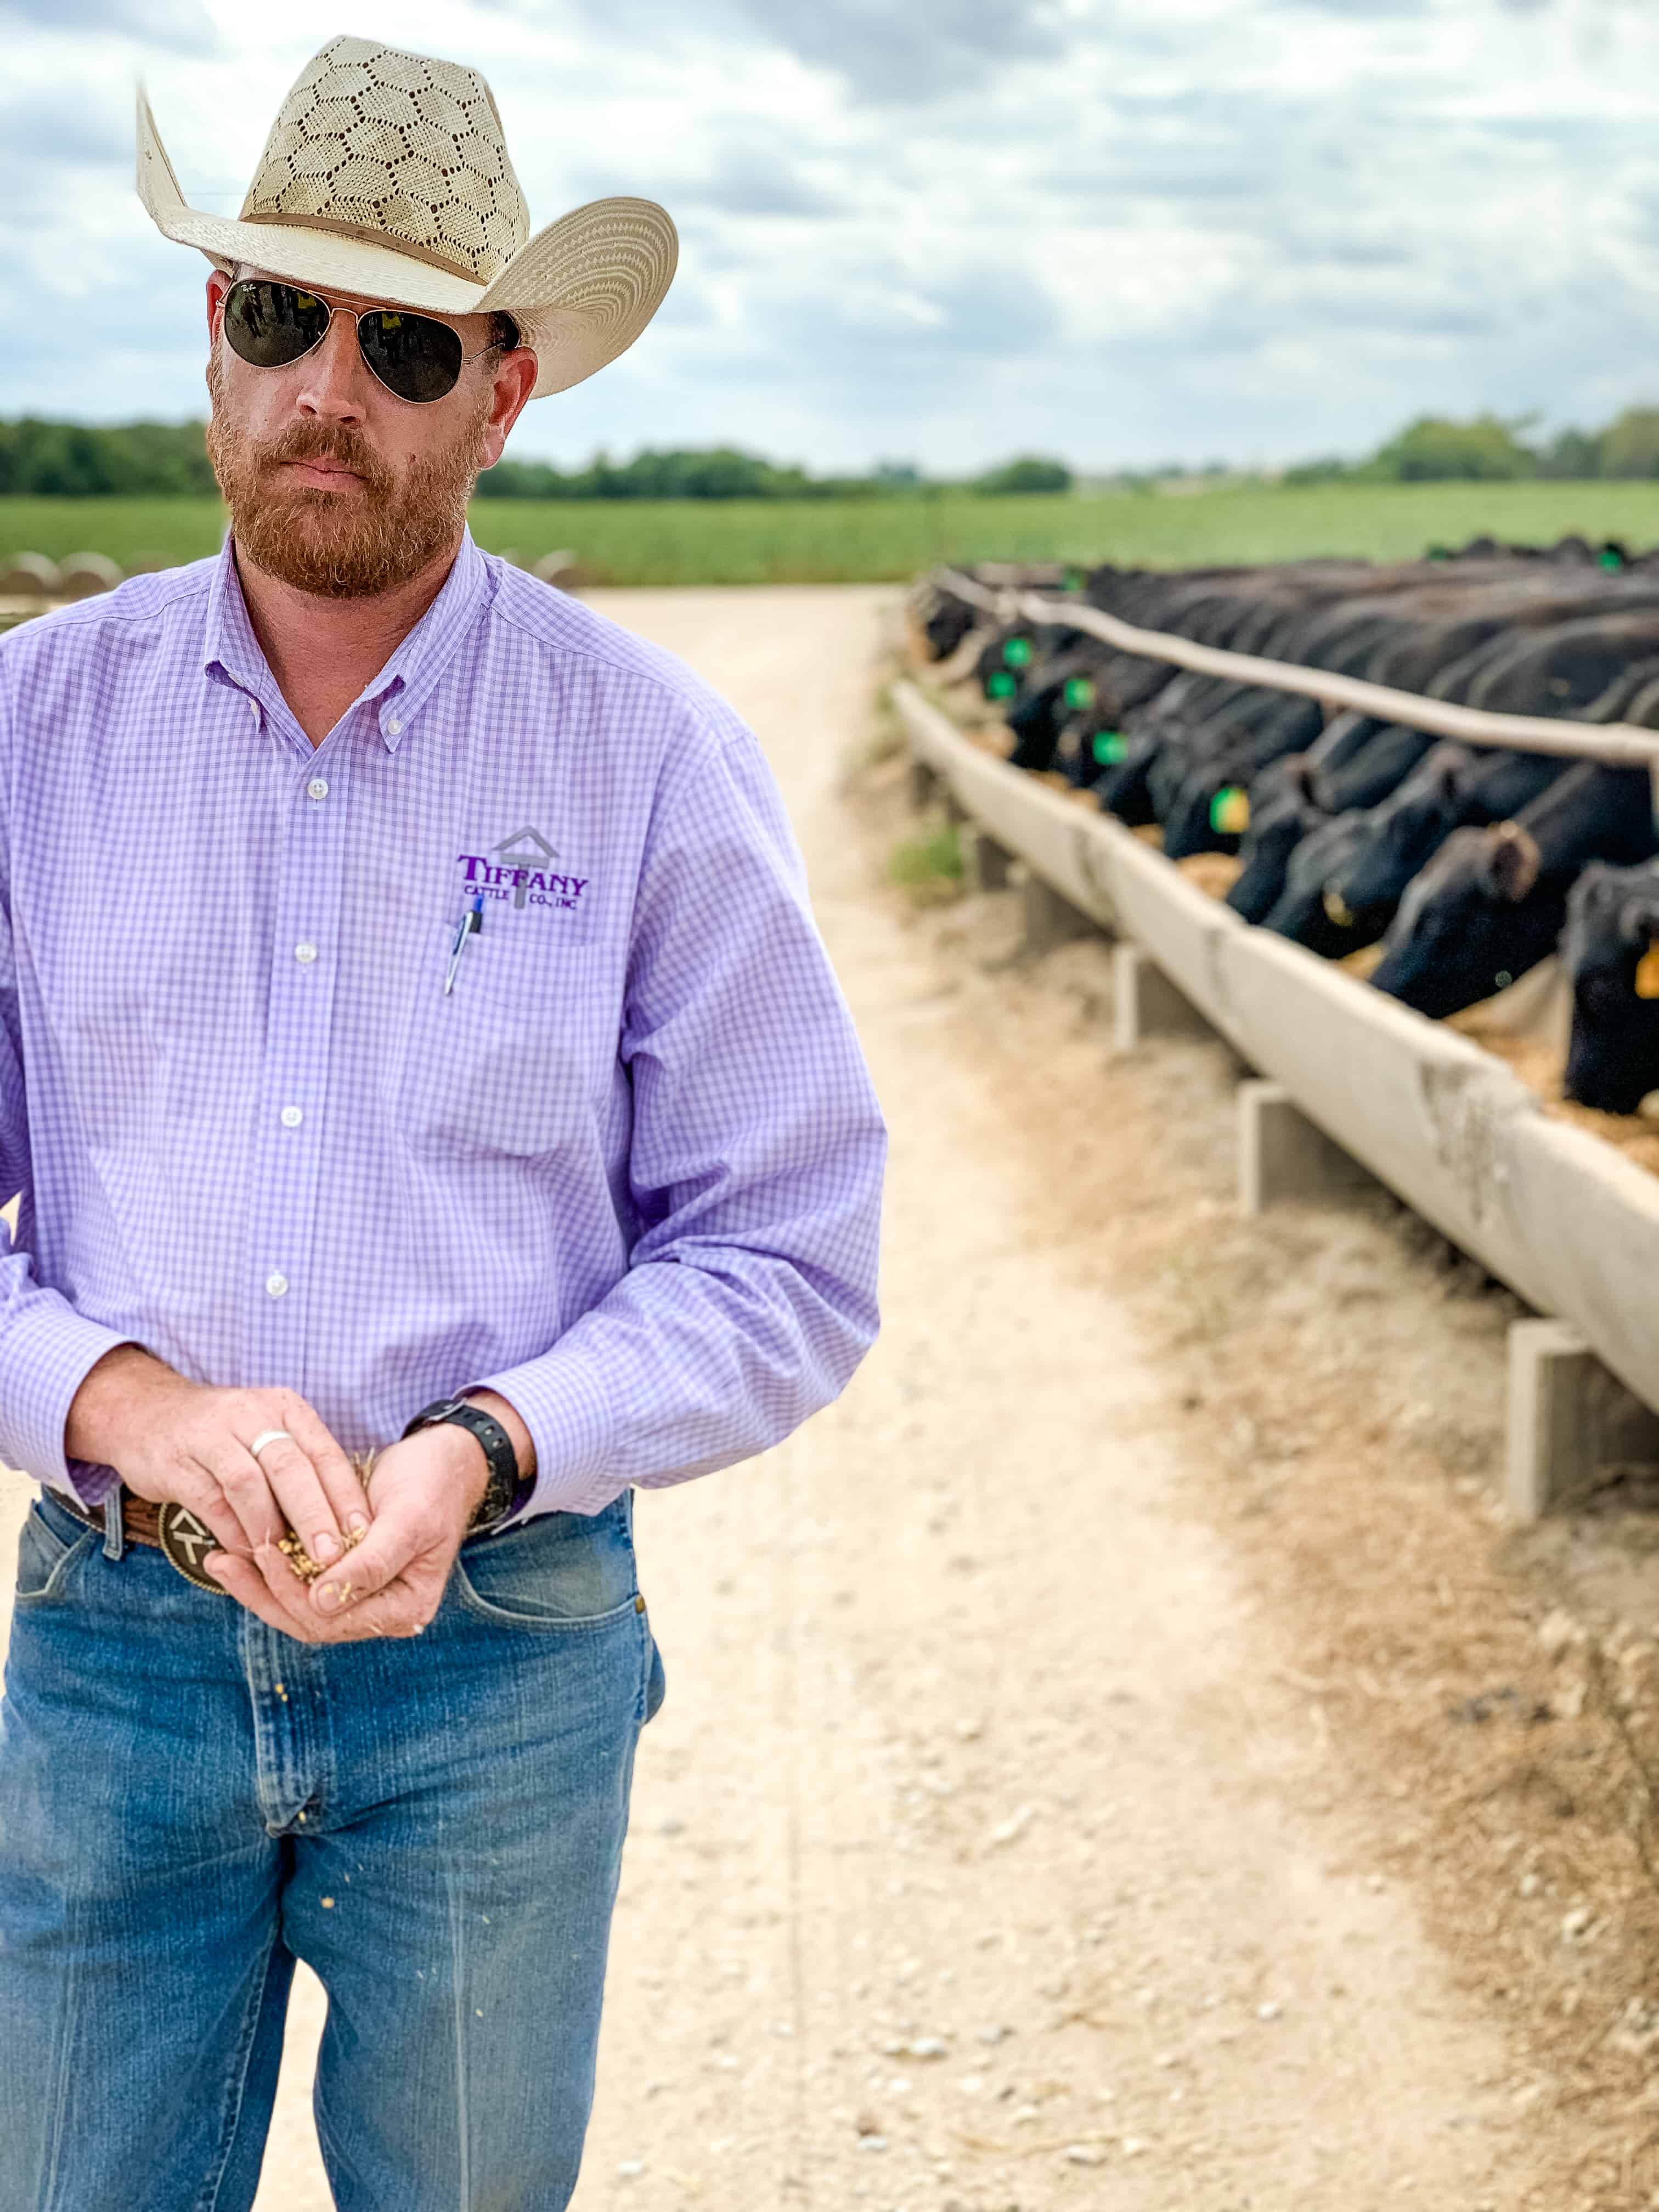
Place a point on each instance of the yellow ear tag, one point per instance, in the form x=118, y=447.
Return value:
x=1647, y=973
x=1230, y=812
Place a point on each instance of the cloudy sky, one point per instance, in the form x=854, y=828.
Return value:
x=938, y=230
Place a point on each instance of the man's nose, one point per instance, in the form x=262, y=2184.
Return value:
x=334, y=384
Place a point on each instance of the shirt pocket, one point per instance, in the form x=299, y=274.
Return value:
x=497, y=1064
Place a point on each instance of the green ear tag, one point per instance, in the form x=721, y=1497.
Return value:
x=1230, y=812
x=1017, y=654
x=1002, y=685
x=1080, y=691
x=1111, y=747
x=1610, y=559
x=1075, y=579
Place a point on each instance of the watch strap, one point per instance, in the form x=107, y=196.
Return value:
x=505, y=1492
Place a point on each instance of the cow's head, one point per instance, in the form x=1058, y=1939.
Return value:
x=1404, y=833
x=1479, y=916
x=1275, y=831
x=1610, y=949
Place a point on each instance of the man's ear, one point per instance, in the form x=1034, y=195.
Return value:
x=1511, y=863
x=515, y=379
x=218, y=283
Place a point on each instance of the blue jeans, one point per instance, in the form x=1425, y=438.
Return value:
x=189, y=1801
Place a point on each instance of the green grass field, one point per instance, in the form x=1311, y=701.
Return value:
x=868, y=541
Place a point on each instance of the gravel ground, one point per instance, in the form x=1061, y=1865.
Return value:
x=1021, y=1829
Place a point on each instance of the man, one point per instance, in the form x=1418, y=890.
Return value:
x=415, y=1038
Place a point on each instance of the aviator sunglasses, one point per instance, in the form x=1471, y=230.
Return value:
x=414, y=357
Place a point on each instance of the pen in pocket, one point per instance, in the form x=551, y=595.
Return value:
x=469, y=924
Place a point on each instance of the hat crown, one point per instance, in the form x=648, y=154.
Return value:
x=398, y=148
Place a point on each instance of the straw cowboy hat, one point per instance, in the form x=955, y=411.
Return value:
x=387, y=175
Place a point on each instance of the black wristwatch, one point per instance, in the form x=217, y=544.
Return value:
x=506, y=1491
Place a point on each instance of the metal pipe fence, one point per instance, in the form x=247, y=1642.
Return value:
x=1622, y=743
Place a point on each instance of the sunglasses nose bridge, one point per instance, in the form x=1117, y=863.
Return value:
x=335, y=367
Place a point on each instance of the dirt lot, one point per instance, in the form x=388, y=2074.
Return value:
x=1114, y=1757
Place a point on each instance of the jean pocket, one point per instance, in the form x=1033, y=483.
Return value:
x=47, y=1554
x=559, y=1570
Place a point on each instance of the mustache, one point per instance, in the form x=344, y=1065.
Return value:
x=322, y=441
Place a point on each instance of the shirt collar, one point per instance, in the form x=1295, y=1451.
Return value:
x=231, y=653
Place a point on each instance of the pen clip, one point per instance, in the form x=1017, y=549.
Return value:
x=469, y=926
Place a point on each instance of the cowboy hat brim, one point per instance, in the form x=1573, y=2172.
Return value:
x=581, y=290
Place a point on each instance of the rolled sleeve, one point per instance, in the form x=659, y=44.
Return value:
x=755, y=1167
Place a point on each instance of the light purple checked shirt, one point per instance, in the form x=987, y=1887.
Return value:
x=627, y=1173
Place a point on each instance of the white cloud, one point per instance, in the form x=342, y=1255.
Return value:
x=1119, y=229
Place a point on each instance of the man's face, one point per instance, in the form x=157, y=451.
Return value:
x=335, y=485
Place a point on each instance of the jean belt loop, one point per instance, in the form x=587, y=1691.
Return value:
x=115, y=1543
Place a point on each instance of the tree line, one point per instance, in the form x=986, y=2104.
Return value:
x=45, y=459
x=1493, y=449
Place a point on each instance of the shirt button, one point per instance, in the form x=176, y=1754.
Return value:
x=317, y=788
x=276, y=1285
x=394, y=725
x=292, y=1117
x=305, y=954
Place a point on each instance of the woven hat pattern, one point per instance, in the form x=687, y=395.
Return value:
x=387, y=175
x=381, y=143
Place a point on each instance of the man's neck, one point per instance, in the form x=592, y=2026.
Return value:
x=323, y=652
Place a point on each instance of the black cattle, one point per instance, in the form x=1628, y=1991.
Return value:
x=1089, y=745
x=1491, y=786
x=1064, y=685
x=1007, y=661
x=1490, y=904
x=1278, y=823
x=1453, y=789
x=1310, y=909
x=1482, y=643
x=948, y=623
x=1356, y=764
x=1343, y=882
x=1610, y=952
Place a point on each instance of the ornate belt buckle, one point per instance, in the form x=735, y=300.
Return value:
x=186, y=1543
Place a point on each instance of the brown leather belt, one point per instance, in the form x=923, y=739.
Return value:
x=172, y=1529
x=141, y=1517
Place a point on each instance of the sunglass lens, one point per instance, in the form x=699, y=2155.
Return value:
x=411, y=355
x=271, y=325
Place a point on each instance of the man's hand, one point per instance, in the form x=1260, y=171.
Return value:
x=425, y=1490
x=170, y=1438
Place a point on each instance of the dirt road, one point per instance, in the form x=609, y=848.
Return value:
x=972, y=1865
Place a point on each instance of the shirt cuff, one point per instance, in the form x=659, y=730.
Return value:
x=566, y=1406
x=47, y=1352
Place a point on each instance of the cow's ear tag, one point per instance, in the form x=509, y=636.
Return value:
x=1647, y=973
x=1230, y=812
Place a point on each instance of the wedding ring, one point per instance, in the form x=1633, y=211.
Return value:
x=268, y=1436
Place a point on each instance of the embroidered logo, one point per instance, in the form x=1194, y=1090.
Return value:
x=520, y=868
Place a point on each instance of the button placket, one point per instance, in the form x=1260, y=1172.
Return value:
x=304, y=966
